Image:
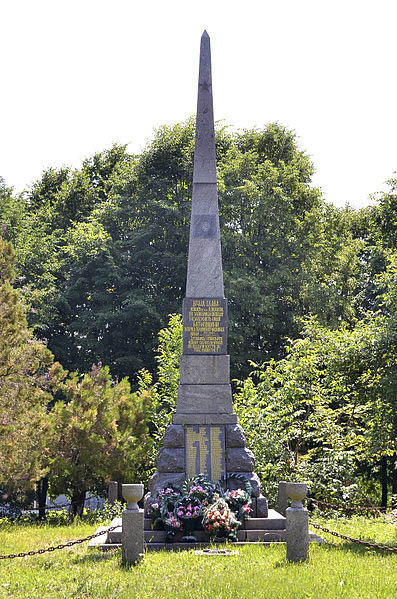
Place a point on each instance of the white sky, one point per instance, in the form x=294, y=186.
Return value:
x=79, y=75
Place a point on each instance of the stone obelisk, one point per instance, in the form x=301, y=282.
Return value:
x=204, y=436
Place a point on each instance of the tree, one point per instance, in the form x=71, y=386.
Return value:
x=102, y=253
x=99, y=433
x=24, y=364
x=326, y=412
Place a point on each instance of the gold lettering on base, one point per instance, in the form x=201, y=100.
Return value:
x=205, y=451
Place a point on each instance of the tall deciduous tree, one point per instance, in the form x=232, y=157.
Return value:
x=102, y=252
x=326, y=412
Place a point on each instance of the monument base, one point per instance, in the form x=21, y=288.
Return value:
x=255, y=530
x=215, y=447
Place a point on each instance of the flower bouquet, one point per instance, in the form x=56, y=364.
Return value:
x=220, y=521
x=162, y=503
x=189, y=511
x=172, y=525
x=239, y=502
x=201, y=488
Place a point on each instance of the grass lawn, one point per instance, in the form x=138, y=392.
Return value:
x=334, y=570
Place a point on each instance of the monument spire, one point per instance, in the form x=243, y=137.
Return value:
x=204, y=151
x=204, y=274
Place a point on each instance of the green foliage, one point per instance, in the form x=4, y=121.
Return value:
x=326, y=410
x=24, y=364
x=164, y=392
x=102, y=251
x=99, y=433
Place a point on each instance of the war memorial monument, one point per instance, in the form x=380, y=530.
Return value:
x=204, y=437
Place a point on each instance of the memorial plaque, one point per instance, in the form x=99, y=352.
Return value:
x=204, y=226
x=205, y=451
x=204, y=326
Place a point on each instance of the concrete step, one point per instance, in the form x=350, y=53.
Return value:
x=158, y=536
x=275, y=521
x=273, y=537
x=255, y=530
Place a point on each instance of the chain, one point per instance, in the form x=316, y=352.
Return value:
x=346, y=507
x=50, y=507
x=61, y=546
x=353, y=540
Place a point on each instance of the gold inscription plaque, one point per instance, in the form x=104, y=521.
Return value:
x=204, y=330
x=205, y=451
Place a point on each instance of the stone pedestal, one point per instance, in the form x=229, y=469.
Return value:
x=132, y=536
x=297, y=527
x=297, y=523
x=217, y=451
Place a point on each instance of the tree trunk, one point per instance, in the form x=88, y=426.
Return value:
x=77, y=504
x=394, y=481
x=383, y=479
x=41, y=493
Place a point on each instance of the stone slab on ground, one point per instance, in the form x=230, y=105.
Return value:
x=255, y=530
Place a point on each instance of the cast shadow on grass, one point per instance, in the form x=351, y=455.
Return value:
x=98, y=556
x=361, y=550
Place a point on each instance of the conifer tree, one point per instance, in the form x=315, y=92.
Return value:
x=24, y=363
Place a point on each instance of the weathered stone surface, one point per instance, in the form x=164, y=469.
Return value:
x=204, y=273
x=160, y=480
x=132, y=537
x=235, y=436
x=297, y=529
x=174, y=436
x=171, y=460
x=204, y=151
x=262, y=510
x=204, y=399
x=113, y=491
x=205, y=370
x=204, y=198
x=146, y=503
x=282, y=497
x=252, y=477
x=239, y=459
x=204, y=419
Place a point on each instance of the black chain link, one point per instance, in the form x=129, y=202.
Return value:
x=61, y=546
x=350, y=508
x=50, y=507
x=353, y=540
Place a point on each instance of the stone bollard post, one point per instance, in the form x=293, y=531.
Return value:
x=132, y=534
x=112, y=492
x=297, y=523
x=282, y=497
